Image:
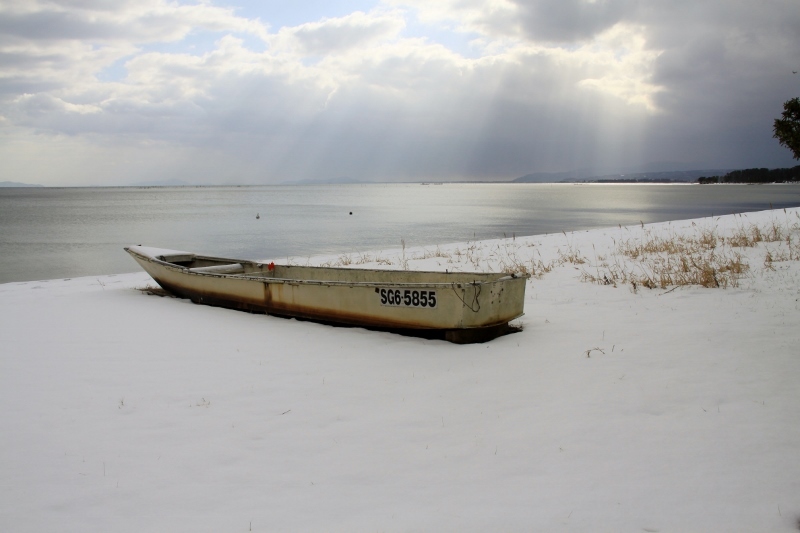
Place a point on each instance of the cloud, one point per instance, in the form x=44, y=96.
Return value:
x=60, y=43
x=492, y=18
x=124, y=20
x=572, y=20
x=552, y=86
x=44, y=104
x=556, y=21
x=337, y=35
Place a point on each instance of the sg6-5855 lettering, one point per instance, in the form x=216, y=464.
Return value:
x=408, y=298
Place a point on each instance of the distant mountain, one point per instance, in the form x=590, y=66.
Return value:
x=18, y=184
x=554, y=177
x=663, y=177
x=640, y=177
x=661, y=166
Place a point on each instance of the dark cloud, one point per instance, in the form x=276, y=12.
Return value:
x=556, y=86
x=571, y=20
x=725, y=68
x=54, y=26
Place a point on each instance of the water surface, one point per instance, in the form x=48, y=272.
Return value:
x=48, y=233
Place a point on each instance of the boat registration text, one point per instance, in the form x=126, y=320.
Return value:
x=407, y=298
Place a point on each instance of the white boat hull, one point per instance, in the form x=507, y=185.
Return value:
x=463, y=306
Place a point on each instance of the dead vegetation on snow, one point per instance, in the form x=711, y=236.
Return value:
x=657, y=257
x=706, y=256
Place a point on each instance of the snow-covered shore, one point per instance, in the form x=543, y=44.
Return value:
x=616, y=408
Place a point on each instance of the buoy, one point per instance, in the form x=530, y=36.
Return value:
x=258, y=216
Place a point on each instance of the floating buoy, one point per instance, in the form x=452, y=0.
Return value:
x=258, y=216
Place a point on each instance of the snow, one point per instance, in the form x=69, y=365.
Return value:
x=614, y=409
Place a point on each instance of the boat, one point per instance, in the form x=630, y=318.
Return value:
x=460, y=307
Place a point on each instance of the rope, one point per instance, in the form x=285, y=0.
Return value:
x=478, y=289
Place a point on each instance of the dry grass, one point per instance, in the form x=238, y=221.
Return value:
x=706, y=270
x=345, y=260
x=789, y=252
x=658, y=258
x=534, y=266
x=570, y=256
x=429, y=254
x=705, y=257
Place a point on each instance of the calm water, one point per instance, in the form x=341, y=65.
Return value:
x=53, y=233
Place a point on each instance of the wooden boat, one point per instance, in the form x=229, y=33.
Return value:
x=460, y=307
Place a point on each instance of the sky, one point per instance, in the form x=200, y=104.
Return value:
x=246, y=92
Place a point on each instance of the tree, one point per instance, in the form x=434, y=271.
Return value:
x=787, y=129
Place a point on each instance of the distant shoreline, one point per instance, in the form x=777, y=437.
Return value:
x=378, y=183
x=19, y=185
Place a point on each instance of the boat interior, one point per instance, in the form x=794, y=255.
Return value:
x=221, y=266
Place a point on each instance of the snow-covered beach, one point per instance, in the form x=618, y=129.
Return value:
x=618, y=407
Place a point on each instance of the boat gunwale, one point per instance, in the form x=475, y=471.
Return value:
x=239, y=285
x=295, y=281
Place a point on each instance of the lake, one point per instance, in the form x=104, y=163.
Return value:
x=49, y=233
